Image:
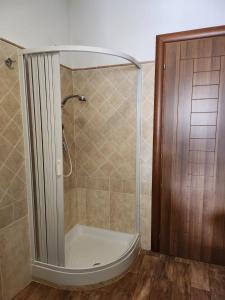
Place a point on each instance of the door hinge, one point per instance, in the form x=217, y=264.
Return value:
x=164, y=66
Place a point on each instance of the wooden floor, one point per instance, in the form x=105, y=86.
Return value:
x=155, y=277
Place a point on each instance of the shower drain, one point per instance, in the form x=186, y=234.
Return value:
x=96, y=264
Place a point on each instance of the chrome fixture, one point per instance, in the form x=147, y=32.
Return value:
x=9, y=63
x=66, y=151
x=64, y=140
x=79, y=97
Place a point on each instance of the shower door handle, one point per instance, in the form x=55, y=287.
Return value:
x=59, y=167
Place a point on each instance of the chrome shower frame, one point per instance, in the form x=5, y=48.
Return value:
x=59, y=274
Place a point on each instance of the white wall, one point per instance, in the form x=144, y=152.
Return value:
x=34, y=23
x=126, y=25
x=131, y=25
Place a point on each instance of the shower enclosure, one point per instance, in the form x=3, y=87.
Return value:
x=82, y=134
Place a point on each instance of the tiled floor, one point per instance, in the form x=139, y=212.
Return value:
x=152, y=277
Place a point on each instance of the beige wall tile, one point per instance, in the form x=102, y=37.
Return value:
x=5, y=119
x=6, y=216
x=17, y=189
x=19, y=209
x=22, y=173
x=6, y=200
x=10, y=76
x=10, y=104
x=14, y=242
x=14, y=160
x=15, y=258
x=16, y=90
x=97, y=208
x=5, y=177
x=146, y=158
x=98, y=183
x=12, y=133
x=116, y=185
x=5, y=148
x=20, y=146
x=70, y=209
x=146, y=221
x=130, y=186
x=81, y=206
x=74, y=210
x=3, y=89
x=122, y=212
x=81, y=181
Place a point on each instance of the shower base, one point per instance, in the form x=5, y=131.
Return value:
x=88, y=247
x=92, y=255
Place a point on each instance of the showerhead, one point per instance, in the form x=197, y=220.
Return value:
x=82, y=98
x=79, y=97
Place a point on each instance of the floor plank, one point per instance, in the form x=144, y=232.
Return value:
x=152, y=277
x=200, y=276
x=161, y=289
x=217, y=280
x=150, y=271
x=198, y=294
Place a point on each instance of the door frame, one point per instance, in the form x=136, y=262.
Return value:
x=161, y=40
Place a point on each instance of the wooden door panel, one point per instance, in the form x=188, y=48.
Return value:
x=181, y=200
x=206, y=78
x=169, y=137
x=203, y=132
x=205, y=91
x=205, y=105
x=201, y=157
x=201, y=169
x=192, y=220
x=207, y=64
x=203, y=144
x=205, y=119
x=205, y=47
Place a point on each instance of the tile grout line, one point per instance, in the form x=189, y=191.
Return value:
x=13, y=223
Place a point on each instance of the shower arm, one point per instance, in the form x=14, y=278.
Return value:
x=81, y=98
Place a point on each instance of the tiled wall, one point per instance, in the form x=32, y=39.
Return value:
x=15, y=271
x=146, y=152
x=104, y=150
x=105, y=147
x=101, y=191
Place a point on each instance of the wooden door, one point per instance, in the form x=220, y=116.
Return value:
x=192, y=192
